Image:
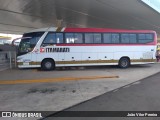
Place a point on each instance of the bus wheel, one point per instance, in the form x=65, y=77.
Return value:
x=48, y=64
x=124, y=62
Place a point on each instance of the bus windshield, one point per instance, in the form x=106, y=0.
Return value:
x=28, y=42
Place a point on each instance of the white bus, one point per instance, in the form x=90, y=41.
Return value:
x=56, y=47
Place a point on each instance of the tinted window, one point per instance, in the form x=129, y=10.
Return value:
x=145, y=38
x=133, y=38
x=50, y=38
x=124, y=38
x=128, y=38
x=73, y=38
x=149, y=36
x=115, y=38
x=141, y=36
x=110, y=38
x=89, y=38
x=97, y=38
x=53, y=38
x=69, y=38
x=59, y=37
x=107, y=38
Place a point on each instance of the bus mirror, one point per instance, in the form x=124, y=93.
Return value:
x=16, y=42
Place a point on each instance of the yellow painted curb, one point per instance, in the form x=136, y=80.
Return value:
x=54, y=80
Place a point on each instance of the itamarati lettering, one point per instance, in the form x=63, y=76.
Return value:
x=57, y=50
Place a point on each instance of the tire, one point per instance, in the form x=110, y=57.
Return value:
x=48, y=65
x=124, y=63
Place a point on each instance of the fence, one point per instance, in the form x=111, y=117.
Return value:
x=7, y=60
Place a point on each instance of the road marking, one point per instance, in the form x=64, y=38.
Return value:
x=48, y=80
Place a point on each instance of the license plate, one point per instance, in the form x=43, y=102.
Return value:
x=25, y=63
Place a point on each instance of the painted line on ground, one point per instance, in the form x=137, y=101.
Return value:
x=49, y=80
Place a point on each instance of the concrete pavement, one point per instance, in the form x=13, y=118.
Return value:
x=138, y=96
x=57, y=96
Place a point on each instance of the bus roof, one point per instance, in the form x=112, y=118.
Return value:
x=59, y=29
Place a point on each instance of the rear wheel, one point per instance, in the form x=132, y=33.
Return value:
x=48, y=64
x=124, y=63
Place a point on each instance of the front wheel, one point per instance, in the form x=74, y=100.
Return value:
x=124, y=63
x=48, y=65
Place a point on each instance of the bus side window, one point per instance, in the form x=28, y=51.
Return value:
x=89, y=38
x=59, y=37
x=133, y=38
x=50, y=39
x=97, y=38
x=145, y=38
x=78, y=38
x=53, y=38
x=107, y=38
x=69, y=38
x=115, y=38
x=124, y=38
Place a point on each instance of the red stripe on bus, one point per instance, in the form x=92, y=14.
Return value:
x=105, y=30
